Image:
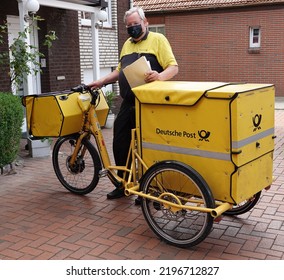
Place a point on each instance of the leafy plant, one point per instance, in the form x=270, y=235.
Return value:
x=11, y=119
x=24, y=57
x=110, y=98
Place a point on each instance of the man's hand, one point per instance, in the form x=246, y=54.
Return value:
x=151, y=76
x=165, y=75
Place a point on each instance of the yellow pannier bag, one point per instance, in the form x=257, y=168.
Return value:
x=60, y=113
x=224, y=131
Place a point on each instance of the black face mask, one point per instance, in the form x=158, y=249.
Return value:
x=135, y=31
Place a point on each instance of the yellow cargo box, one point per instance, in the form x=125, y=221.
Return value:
x=60, y=113
x=224, y=131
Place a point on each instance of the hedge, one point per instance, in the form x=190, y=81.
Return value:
x=11, y=120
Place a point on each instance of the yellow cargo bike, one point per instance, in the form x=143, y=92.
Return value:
x=199, y=150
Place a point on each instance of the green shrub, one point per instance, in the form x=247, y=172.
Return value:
x=11, y=119
x=110, y=98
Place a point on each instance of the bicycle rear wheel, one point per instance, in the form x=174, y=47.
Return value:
x=83, y=176
x=180, y=184
x=244, y=206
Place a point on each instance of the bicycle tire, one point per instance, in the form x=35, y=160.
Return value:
x=244, y=206
x=183, y=228
x=83, y=176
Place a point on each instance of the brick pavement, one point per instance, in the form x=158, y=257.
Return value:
x=39, y=219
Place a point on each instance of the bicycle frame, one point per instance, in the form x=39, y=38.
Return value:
x=91, y=126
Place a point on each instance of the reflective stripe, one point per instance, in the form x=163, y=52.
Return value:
x=207, y=154
x=251, y=139
x=186, y=151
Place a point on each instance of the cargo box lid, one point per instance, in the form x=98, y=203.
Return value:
x=230, y=90
x=174, y=92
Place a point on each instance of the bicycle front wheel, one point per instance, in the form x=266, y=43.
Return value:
x=177, y=183
x=83, y=176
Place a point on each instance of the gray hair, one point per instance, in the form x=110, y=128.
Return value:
x=134, y=10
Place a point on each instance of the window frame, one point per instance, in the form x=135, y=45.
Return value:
x=252, y=44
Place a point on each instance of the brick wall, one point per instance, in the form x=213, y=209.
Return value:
x=5, y=84
x=121, y=9
x=63, y=59
x=214, y=45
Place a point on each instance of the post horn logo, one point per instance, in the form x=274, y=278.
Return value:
x=204, y=135
x=256, y=121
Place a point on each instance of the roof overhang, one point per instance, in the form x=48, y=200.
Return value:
x=171, y=6
x=93, y=3
x=77, y=5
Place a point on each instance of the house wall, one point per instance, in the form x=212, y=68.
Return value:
x=214, y=45
x=108, y=41
x=122, y=34
x=63, y=58
x=108, y=51
x=108, y=46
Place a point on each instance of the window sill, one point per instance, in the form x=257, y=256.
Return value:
x=254, y=50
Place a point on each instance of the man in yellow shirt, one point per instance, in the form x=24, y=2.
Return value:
x=157, y=50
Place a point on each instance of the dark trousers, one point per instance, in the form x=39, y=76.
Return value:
x=124, y=122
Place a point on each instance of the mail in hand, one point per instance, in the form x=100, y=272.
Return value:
x=135, y=72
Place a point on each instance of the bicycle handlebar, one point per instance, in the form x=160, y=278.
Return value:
x=79, y=88
x=82, y=88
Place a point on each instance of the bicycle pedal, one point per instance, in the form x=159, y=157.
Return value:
x=103, y=173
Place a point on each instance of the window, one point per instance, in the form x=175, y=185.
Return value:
x=254, y=37
x=86, y=18
x=157, y=28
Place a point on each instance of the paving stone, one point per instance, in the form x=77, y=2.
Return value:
x=41, y=220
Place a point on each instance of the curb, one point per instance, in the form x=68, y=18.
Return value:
x=10, y=169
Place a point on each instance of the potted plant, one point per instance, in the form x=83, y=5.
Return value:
x=110, y=98
x=39, y=147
